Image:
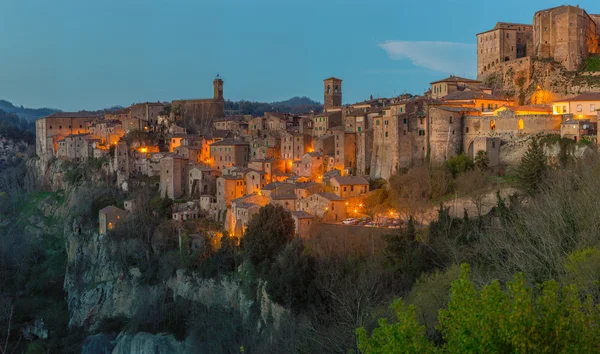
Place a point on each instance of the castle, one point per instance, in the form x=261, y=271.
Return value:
x=567, y=34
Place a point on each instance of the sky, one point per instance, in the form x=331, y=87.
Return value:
x=92, y=54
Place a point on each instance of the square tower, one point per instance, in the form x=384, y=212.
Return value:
x=332, y=89
x=218, y=88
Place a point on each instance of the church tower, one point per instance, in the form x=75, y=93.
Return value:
x=332, y=93
x=218, y=88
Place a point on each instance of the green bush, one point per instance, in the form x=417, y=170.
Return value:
x=458, y=164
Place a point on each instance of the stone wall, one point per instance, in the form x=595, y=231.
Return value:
x=445, y=133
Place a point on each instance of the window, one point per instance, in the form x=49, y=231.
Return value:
x=579, y=108
x=592, y=108
x=564, y=109
x=358, y=129
x=450, y=120
x=493, y=144
x=521, y=124
x=345, y=189
x=386, y=134
x=467, y=130
x=492, y=125
x=404, y=131
x=376, y=123
x=404, y=120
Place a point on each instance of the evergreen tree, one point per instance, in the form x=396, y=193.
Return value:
x=533, y=167
x=482, y=162
x=268, y=233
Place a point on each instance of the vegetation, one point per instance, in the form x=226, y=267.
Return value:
x=533, y=167
x=592, y=63
x=294, y=105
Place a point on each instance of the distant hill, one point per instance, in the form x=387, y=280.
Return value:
x=26, y=113
x=294, y=105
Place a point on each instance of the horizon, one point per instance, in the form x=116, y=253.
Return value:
x=73, y=56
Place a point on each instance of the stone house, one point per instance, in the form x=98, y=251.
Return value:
x=326, y=120
x=121, y=161
x=255, y=181
x=229, y=152
x=294, y=145
x=200, y=113
x=77, y=147
x=577, y=129
x=229, y=187
x=302, y=222
x=109, y=218
x=277, y=188
x=186, y=211
x=242, y=211
x=53, y=128
x=287, y=201
x=173, y=179
x=190, y=152
x=307, y=189
x=312, y=166
x=147, y=113
x=202, y=181
x=328, y=206
x=349, y=186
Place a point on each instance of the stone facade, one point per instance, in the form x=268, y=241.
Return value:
x=172, y=176
x=50, y=130
x=228, y=153
x=349, y=186
x=199, y=114
x=566, y=34
x=332, y=93
x=109, y=217
x=327, y=206
x=503, y=43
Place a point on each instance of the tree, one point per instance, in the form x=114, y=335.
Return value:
x=267, y=234
x=493, y=320
x=533, y=167
x=459, y=163
x=473, y=184
x=482, y=162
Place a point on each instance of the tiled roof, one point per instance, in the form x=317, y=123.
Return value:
x=283, y=196
x=585, y=96
x=329, y=196
x=457, y=109
x=271, y=186
x=455, y=79
x=73, y=115
x=350, y=180
x=470, y=95
x=229, y=142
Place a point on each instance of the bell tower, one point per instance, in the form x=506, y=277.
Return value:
x=332, y=93
x=218, y=88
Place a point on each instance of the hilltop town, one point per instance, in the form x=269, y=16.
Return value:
x=318, y=164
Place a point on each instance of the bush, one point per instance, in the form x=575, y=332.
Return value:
x=458, y=164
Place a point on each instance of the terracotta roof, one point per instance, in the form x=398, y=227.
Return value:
x=457, y=109
x=112, y=209
x=532, y=108
x=229, y=142
x=470, y=95
x=271, y=186
x=73, y=115
x=232, y=177
x=283, y=196
x=333, y=78
x=350, y=180
x=584, y=96
x=455, y=79
x=329, y=196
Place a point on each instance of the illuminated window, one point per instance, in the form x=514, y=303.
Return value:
x=579, y=108
x=493, y=124
x=521, y=124
x=110, y=225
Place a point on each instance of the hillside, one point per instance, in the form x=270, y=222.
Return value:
x=294, y=105
x=26, y=113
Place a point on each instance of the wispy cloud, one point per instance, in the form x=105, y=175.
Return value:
x=445, y=57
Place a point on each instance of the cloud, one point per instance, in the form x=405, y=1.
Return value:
x=446, y=57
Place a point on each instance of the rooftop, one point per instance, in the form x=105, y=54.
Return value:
x=350, y=180
x=301, y=214
x=584, y=96
x=283, y=196
x=453, y=78
x=72, y=115
x=329, y=196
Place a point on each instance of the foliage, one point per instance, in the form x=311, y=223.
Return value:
x=533, y=168
x=592, y=63
x=377, y=183
x=481, y=161
x=267, y=234
x=406, y=335
x=492, y=320
x=291, y=279
x=458, y=164
x=294, y=105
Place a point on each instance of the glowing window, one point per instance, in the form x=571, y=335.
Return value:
x=110, y=225
x=521, y=124
x=493, y=124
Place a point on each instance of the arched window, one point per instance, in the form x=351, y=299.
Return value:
x=336, y=89
x=493, y=124
x=110, y=225
x=521, y=124
x=328, y=88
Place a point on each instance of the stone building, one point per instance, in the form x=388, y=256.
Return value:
x=302, y=222
x=505, y=42
x=446, y=131
x=349, y=186
x=77, y=147
x=449, y=85
x=326, y=120
x=172, y=176
x=311, y=165
x=147, y=113
x=230, y=187
x=327, y=206
x=288, y=201
x=567, y=34
x=199, y=114
x=295, y=145
x=255, y=181
x=344, y=150
x=109, y=218
x=110, y=131
x=202, y=181
x=53, y=128
x=332, y=93
x=121, y=161
x=229, y=152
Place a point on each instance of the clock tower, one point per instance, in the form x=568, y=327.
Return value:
x=218, y=88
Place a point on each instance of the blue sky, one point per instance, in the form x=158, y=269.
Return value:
x=86, y=54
